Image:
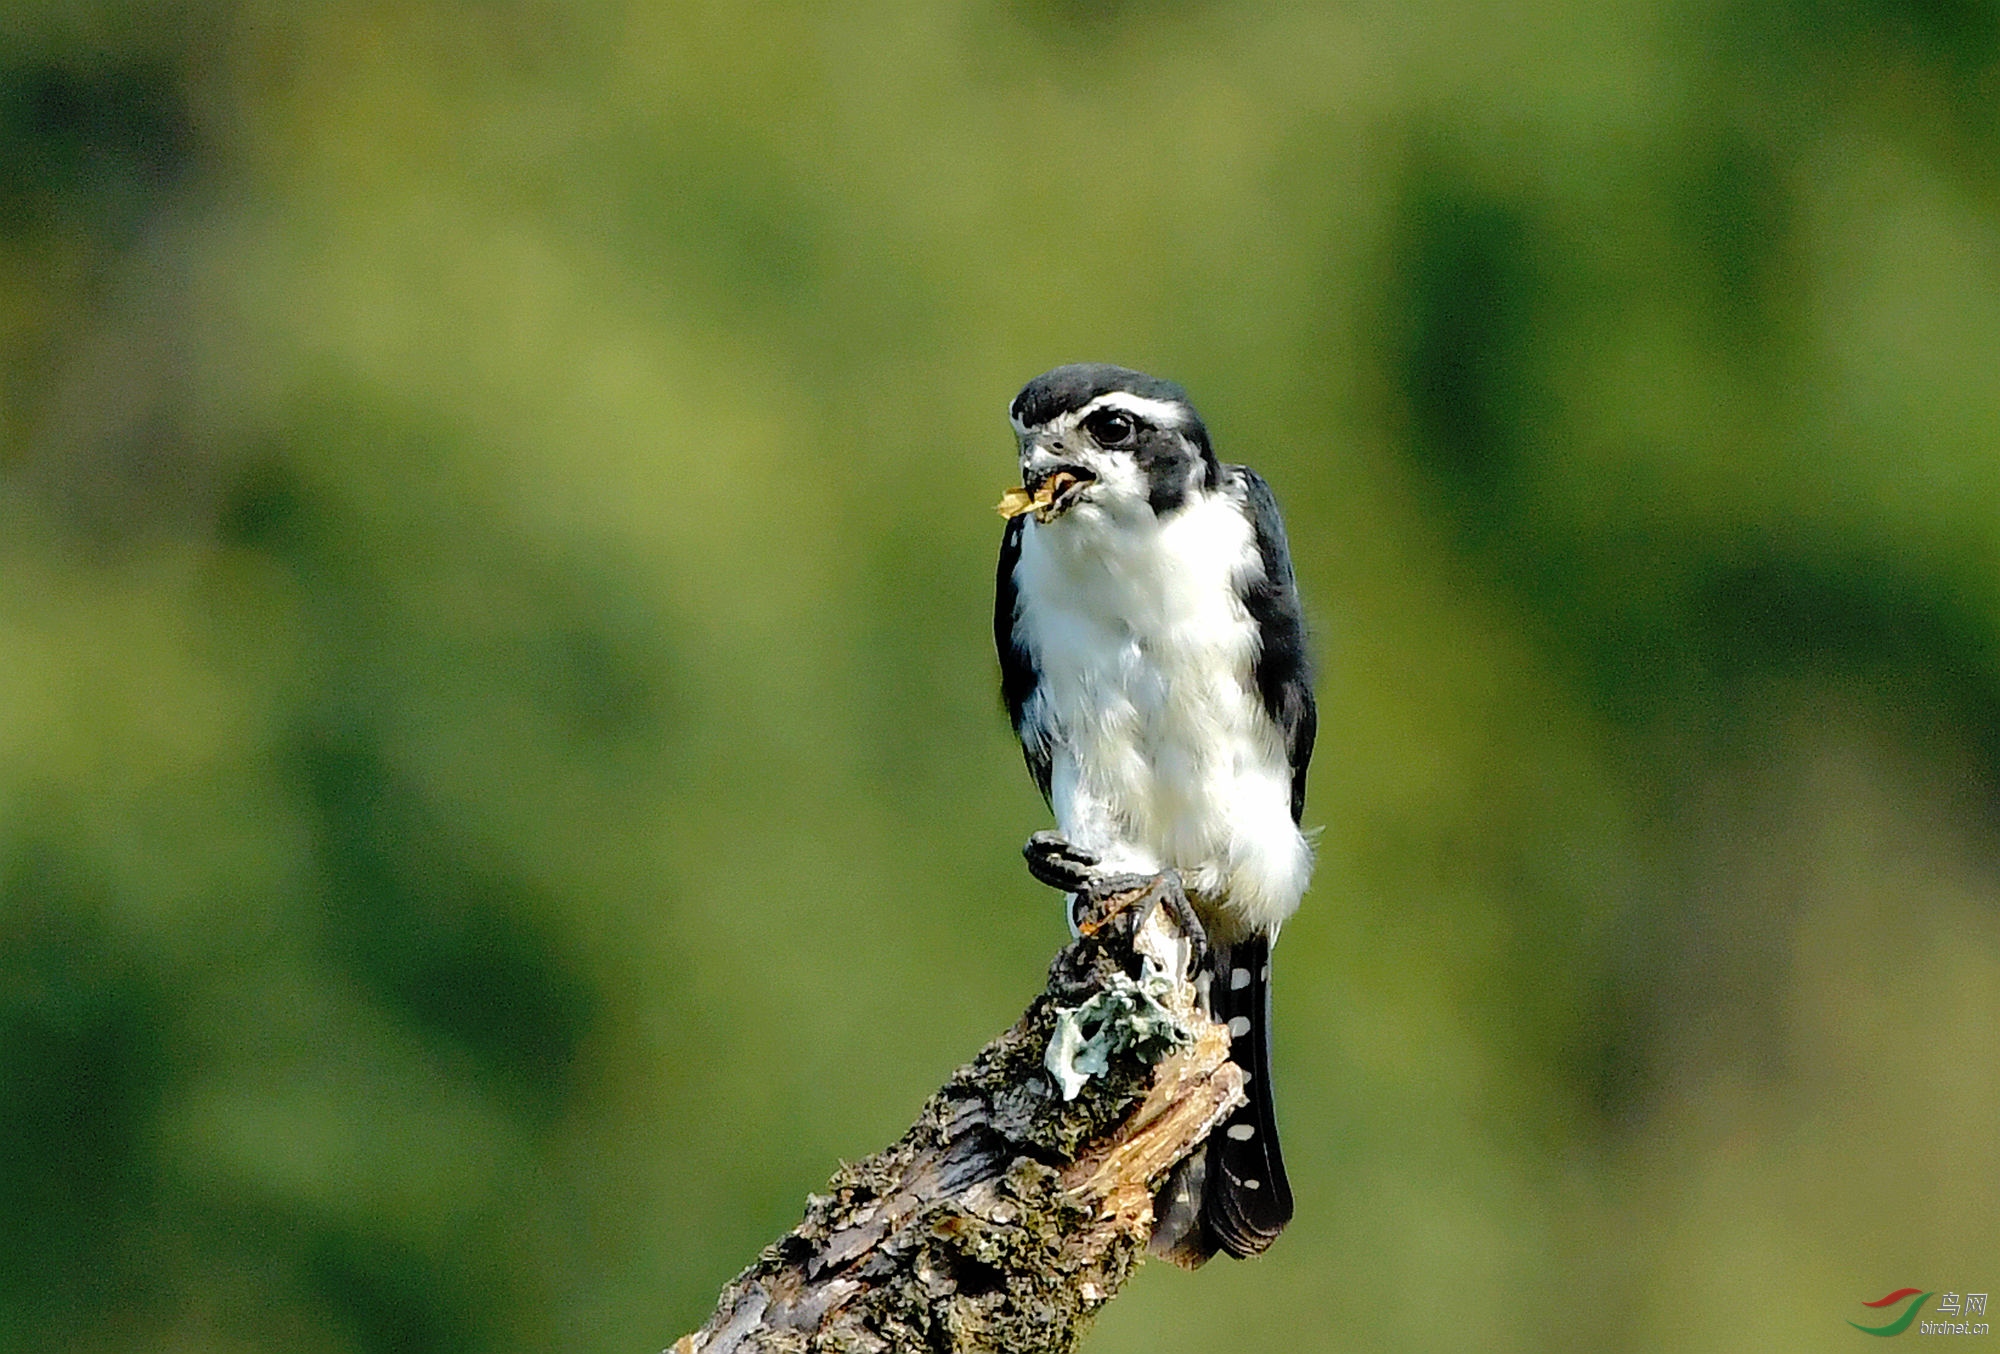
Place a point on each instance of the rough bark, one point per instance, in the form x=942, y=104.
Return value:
x=1006, y=1216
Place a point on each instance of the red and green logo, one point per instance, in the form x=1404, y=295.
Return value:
x=1901, y=1323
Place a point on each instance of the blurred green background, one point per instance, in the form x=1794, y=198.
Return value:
x=501, y=782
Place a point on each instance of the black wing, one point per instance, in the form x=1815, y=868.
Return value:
x=1018, y=677
x=1283, y=671
x=1246, y=1199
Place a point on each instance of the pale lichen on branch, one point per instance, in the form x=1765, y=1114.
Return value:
x=1011, y=1211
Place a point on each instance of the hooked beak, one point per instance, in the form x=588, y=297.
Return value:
x=1058, y=489
x=1051, y=486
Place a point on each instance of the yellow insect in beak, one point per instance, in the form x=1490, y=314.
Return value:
x=1047, y=502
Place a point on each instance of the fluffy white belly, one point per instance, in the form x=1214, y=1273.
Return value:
x=1162, y=753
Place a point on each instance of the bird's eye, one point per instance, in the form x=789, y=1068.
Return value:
x=1110, y=427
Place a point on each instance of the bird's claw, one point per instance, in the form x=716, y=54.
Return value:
x=1144, y=893
x=1056, y=861
x=1061, y=864
x=1166, y=892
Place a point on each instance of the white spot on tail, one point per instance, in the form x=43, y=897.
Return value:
x=1239, y=978
x=1239, y=1026
x=1251, y=1184
x=1243, y=1132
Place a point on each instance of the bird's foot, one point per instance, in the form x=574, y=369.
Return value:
x=1109, y=895
x=1166, y=892
x=1056, y=861
x=1097, y=896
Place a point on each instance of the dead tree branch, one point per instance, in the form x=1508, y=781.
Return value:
x=1007, y=1215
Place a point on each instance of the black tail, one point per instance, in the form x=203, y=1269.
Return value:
x=1246, y=1200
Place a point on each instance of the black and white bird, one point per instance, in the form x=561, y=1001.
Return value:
x=1153, y=661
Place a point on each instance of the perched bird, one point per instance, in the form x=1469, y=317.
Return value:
x=1153, y=661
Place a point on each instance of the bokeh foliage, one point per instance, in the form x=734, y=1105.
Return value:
x=500, y=780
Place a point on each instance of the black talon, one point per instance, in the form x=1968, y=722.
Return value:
x=1162, y=890
x=1102, y=888
x=1061, y=864
x=1106, y=896
x=1055, y=861
x=1167, y=892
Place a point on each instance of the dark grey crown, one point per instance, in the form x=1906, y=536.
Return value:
x=1067, y=389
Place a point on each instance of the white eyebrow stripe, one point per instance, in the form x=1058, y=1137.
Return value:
x=1162, y=413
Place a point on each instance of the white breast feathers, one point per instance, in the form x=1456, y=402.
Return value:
x=1162, y=752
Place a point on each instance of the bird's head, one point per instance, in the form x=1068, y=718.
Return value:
x=1109, y=438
